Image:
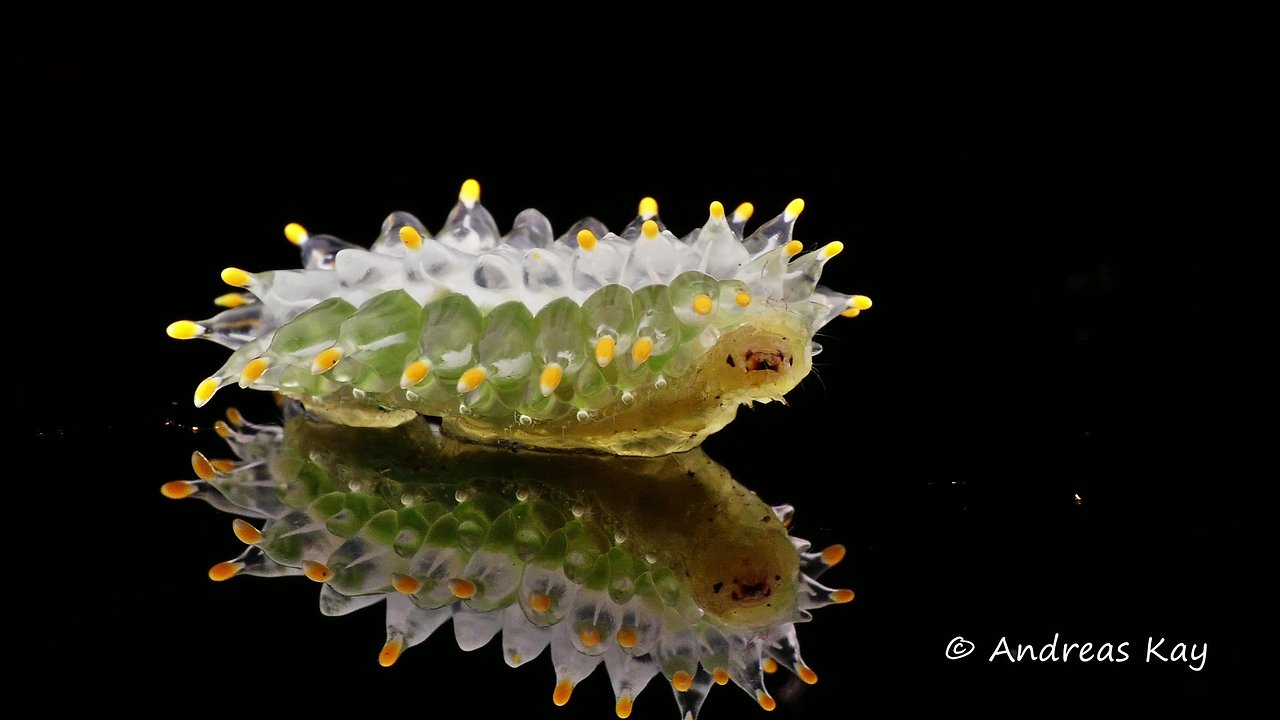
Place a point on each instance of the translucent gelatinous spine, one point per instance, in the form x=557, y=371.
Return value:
x=602, y=560
x=530, y=339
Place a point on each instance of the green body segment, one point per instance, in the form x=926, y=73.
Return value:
x=646, y=565
x=627, y=527
x=634, y=359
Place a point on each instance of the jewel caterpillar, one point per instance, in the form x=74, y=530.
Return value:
x=630, y=343
x=649, y=566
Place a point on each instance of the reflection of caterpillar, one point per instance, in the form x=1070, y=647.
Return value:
x=648, y=565
x=530, y=339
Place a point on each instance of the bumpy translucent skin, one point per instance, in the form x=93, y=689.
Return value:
x=649, y=566
x=638, y=343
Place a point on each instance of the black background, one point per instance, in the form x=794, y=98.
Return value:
x=1062, y=309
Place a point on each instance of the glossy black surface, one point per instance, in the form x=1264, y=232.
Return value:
x=1054, y=420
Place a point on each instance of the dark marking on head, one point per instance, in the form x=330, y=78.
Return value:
x=752, y=591
x=729, y=359
x=763, y=360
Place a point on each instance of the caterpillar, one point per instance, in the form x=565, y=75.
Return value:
x=649, y=566
x=630, y=343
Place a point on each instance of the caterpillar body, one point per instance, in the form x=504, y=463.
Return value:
x=649, y=566
x=631, y=343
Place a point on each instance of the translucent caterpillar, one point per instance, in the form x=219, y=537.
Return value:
x=647, y=566
x=635, y=343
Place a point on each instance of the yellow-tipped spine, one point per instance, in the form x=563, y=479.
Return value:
x=471, y=379
x=414, y=374
x=325, y=360
x=411, y=238
x=232, y=300
x=316, y=571
x=205, y=390
x=550, y=378
x=794, y=208
x=295, y=233
x=252, y=371
x=648, y=208
x=470, y=193
x=606, y=346
x=246, y=533
x=641, y=349
x=235, y=277
x=391, y=652
x=225, y=570
x=184, y=330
